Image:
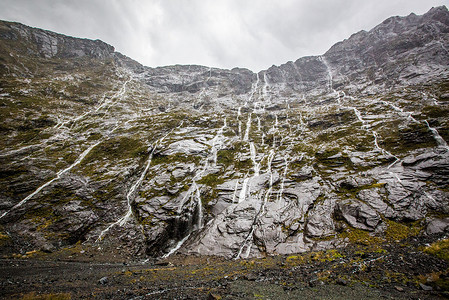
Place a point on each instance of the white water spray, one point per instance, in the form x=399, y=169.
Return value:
x=436, y=135
x=178, y=245
x=248, y=127
x=253, y=158
x=242, y=195
x=265, y=87
x=130, y=195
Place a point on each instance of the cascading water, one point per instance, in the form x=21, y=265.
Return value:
x=177, y=246
x=131, y=193
x=281, y=190
x=248, y=127
x=330, y=79
x=242, y=195
x=253, y=158
x=107, y=104
x=247, y=241
x=265, y=87
x=58, y=176
x=217, y=141
x=359, y=116
x=240, y=122
x=436, y=135
x=129, y=197
x=199, y=224
x=234, y=195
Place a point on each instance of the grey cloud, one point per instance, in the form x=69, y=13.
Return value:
x=221, y=33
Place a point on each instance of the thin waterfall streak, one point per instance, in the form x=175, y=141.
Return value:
x=283, y=180
x=178, y=245
x=248, y=127
x=58, y=175
x=436, y=135
x=123, y=220
x=235, y=191
x=242, y=195
x=253, y=158
x=259, y=213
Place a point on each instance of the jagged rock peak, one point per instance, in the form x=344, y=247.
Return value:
x=49, y=44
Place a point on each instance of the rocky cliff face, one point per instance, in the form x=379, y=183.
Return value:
x=312, y=154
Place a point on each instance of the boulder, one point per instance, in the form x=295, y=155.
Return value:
x=358, y=214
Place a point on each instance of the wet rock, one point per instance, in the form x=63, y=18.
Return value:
x=341, y=281
x=320, y=222
x=437, y=226
x=358, y=214
x=104, y=280
x=374, y=198
x=399, y=289
x=213, y=296
x=188, y=147
x=182, y=170
x=306, y=172
x=425, y=287
x=201, y=180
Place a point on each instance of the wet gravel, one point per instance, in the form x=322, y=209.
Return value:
x=391, y=271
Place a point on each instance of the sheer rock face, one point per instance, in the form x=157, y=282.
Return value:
x=48, y=44
x=100, y=149
x=400, y=51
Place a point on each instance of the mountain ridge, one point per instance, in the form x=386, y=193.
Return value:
x=100, y=150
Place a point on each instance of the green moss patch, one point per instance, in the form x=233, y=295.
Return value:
x=439, y=249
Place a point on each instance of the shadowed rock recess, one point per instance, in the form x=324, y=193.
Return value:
x=100, y=150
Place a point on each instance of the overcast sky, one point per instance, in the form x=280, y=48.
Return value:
x=254, y=34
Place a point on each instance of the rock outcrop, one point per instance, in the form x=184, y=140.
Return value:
x=98, y=149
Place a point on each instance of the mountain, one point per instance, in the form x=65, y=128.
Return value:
x=347, y=147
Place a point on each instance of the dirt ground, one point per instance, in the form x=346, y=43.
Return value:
x=404, y=270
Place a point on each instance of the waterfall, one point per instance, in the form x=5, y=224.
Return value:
x=215, y=141
x=240, y=129
x=436, y=135
x=265, y=87
x=359, y=116
x=281, y=191
x=58, y=175
x=242, y=194
x=199, y=207
x=253, y=158
x=329, y=73
x=129, y=196
x=177, y=246
x=260, y=212
x=235, y=191
x=254, y=88
x=248, y=127
x=330, y=79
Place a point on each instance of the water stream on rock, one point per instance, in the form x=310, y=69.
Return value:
x=58, y=176
x=177, y=246
x=436, y=135
x=131, y=193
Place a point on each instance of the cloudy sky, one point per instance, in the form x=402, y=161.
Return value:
x=221, y=33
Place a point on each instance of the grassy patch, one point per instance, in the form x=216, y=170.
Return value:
x=56, y=296
x=439, y=249
x=212, y=180
x=360, y=237
x=318, y=256
x=397, y=231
